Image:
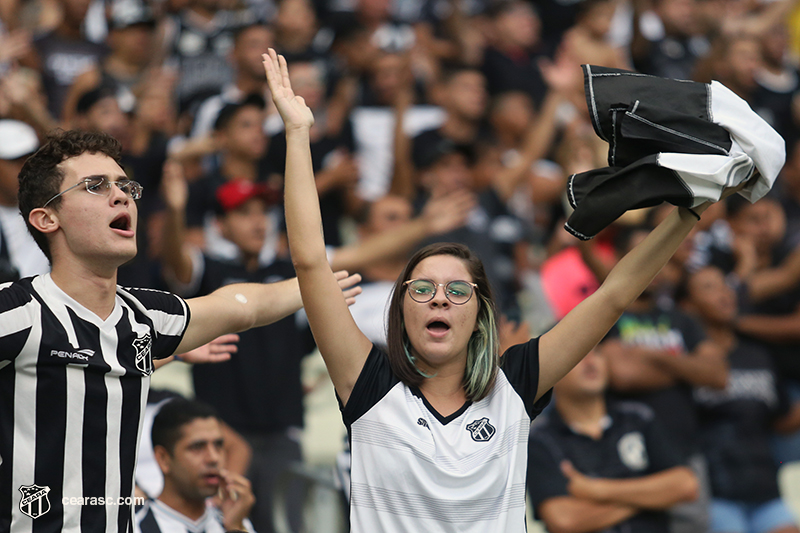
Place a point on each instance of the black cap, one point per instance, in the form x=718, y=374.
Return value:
x=428, y=154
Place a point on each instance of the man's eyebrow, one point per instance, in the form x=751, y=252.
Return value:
x=120, y=177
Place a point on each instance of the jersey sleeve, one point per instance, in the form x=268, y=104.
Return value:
x=170, y=316
x=545, y=479
x=374, y=382
x=520, y=364
x=16, y=316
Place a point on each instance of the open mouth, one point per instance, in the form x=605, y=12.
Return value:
x=438, y=326
x=121, y=222
x=212, y=479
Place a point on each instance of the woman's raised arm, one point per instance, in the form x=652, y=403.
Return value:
x=570, y=340
x=342, y=345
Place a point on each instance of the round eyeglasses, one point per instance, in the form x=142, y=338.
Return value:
x=423, y=291
x=101, y=186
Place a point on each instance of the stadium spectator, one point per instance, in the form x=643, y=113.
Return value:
x=736, y=421
x=266, y=369
x=242, y=143
x=248, y=44
x=669, y=40
x=102, y=339
x=595, y=466
x=510, y=61
x=64, y=53
x=189, y=445
x=656, y=356
x=19, y=255
x=437, y=342
x=124, y=70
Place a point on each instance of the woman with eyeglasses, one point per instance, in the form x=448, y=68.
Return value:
x=438, y=424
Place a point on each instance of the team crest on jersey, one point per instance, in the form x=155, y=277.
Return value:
x=632, y=451
x=143, y=360
x=34, y=502
x=481, y=430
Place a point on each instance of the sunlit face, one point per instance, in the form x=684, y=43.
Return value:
x=588, y=378
x=100, y=229
x=194, y=466
x=246, y=226
x=439, y=331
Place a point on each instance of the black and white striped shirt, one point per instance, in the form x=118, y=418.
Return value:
x=157, y=517
x=73, y=389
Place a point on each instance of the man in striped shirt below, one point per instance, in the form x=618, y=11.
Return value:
x=188, y=445
x=77, y=351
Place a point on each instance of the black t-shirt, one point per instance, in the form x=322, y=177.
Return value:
x=258, y=390
x=675, y=332
x=521, y=73
x=735, y=429
x=633, y=445
x=143, y=270
x=672, y=57
x=62, y=61
x=785, y=355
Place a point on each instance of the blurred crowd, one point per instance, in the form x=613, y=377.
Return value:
x=437, y=120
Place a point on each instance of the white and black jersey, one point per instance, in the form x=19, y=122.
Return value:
x=73, y=388
x=157, y=517
x=416, y=470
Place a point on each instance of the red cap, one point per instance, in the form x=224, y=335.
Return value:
x=235, y=193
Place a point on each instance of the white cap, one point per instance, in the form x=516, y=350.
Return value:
x=17, y=139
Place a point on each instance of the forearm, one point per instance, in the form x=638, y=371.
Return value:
x=636, y=270
x=773, y=281
x=698, y=369
x=777, y=329
x=658, y=491
x=258, y=304
x=174, y=251
x=377, y=247
x=403, y=167
x=631, y=370
x=567, y=514
x=303, y=219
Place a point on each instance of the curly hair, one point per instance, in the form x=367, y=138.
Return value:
x=41, y=175
x=483, y=349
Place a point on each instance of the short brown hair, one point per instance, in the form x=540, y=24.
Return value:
x=41, y=176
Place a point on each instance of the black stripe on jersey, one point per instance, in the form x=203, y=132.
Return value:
x=7, y=376
x=95, y=425
x=11, y=346
x=131, y=384
x=148, y=523
x=51, y=419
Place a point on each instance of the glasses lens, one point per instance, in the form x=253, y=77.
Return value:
x=421, y=290
x=459, y=292
x=96, y=185
x=131, y=188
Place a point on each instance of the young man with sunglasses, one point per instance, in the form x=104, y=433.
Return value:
x=77, y=351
